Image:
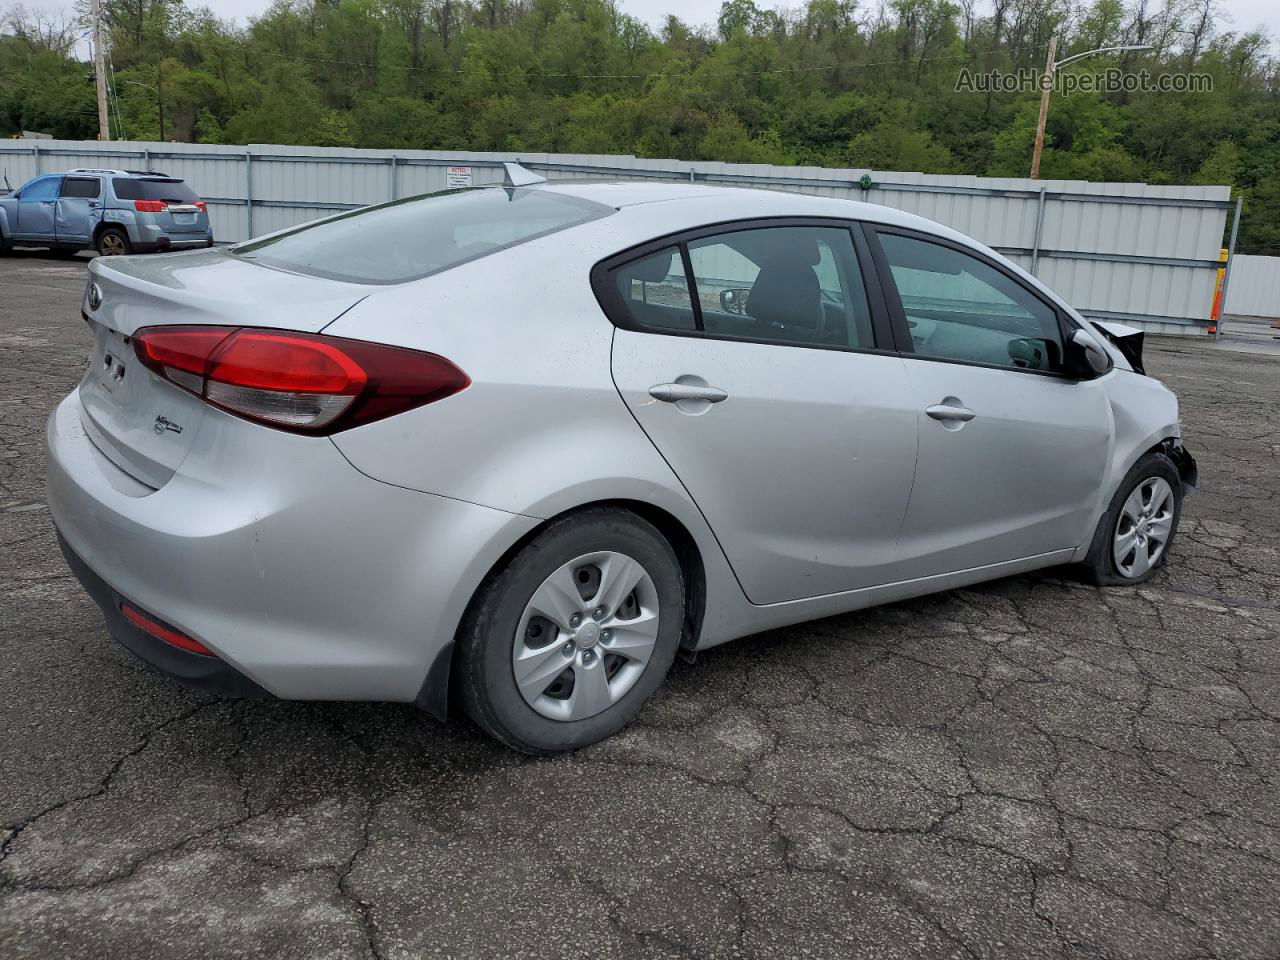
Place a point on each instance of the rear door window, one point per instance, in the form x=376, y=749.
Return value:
x=797, y=285
x=411, y=238
x=167, y=189
x=86, y=187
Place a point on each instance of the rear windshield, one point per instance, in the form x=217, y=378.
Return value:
x=411, y=238
x=170, y=191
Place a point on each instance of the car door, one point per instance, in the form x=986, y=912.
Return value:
x=36, y=202
x=78, y=209
x=756, y=360
x=1012, y=450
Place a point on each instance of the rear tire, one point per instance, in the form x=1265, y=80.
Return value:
x=1134, y=536
x=113, y=242
x=585, y=672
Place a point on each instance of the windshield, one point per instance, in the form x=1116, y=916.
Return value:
x=170, y=191
x=407, y=239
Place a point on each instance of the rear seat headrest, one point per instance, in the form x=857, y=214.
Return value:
x=651, y=269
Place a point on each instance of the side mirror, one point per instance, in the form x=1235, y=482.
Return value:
x=1085, y=347
x=734, y=300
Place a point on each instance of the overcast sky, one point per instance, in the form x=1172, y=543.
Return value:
x=1245, y=14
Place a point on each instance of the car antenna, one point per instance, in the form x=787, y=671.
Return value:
x=518, y=176
x=7, y=185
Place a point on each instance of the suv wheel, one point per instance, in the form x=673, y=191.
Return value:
x=113, y=242
x=563, y=645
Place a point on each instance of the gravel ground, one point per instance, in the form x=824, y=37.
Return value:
x=1031, y=768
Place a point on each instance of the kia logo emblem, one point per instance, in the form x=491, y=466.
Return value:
x=95, y=296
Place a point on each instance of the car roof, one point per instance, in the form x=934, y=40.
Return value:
x=686, y=205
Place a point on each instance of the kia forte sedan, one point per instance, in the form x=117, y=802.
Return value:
x=510, y=449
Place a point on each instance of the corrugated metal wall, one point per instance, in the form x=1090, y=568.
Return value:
x=1255, y=287
x=1126, y=251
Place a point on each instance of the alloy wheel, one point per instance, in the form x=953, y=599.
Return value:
x=1143, y=528
x=585, y=636
x=111, y=245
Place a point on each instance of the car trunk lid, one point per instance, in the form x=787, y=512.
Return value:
x=143, y=424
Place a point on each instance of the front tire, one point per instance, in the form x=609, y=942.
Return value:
x=1134, y=536
x=562, y=645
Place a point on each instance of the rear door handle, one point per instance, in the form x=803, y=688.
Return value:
x=948, y=411
x=675, y=392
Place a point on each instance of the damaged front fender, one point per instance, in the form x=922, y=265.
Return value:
x=1185, y=463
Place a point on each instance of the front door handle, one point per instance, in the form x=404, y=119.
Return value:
x=950, y=411
x=675, y=392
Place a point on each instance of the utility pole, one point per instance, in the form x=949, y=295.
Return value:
x=100, y=71
x=1050, y=72
x=1046, y=84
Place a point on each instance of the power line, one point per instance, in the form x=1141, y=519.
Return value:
x=637, y=76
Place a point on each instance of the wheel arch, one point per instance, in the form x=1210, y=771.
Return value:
x=102, y=227
x=435, y=694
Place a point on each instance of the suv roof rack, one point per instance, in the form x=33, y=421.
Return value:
x=95, y=170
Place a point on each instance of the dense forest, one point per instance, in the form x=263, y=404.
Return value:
x=831, y=82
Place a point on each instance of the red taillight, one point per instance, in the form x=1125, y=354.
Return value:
x=159, y=630
x=281, y=361
x=180, y=354
x=204, y=207
x=297, y=381
x=150, y=206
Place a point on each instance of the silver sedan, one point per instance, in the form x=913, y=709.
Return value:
x=513, y=448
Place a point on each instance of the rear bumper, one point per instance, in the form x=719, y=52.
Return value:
x=209, y=674
x=149, y=238
x=173, y=243
x=303, y=575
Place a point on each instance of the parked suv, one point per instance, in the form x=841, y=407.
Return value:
x=111, y=211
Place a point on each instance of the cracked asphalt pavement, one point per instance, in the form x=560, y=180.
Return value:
x=1030, y=768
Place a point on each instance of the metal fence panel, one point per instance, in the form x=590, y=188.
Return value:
x=1255, y=287
x=1131, y=251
